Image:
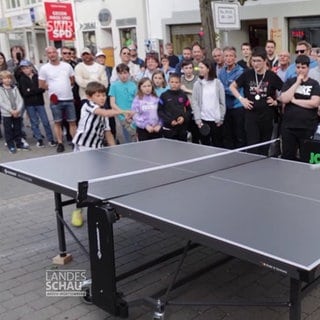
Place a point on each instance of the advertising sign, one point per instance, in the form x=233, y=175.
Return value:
x=60, y=23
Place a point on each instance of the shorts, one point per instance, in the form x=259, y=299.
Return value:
x=63, y=109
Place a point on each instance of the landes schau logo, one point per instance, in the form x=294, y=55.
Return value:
x=65, y=283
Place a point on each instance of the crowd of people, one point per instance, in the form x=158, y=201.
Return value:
x=222, y=100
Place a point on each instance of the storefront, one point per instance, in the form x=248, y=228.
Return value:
x=304, y=28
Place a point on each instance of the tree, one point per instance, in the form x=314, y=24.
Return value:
x=208, y=34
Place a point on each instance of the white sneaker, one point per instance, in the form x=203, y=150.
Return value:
x=40, y=143
x=25, y=143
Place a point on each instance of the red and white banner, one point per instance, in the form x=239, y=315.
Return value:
x=60, y=23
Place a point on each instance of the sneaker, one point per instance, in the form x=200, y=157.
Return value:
x=40, y=143
x=76, y=218
x=23, y=147
x=52, y=143
x=25, y=143
x=12, y=150
x=60, y=147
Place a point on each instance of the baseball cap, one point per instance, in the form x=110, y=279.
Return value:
x=24, y=63
x=132, y=47
x=100, y=53
x=85, y=50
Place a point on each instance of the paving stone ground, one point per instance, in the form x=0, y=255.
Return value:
x=28, y=242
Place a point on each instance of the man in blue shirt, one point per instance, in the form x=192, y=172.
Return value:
x=234, y=133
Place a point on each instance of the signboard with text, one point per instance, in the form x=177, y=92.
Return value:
x=60, y=22
x=226, y=16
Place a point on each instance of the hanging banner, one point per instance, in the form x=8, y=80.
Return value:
x=60, y=22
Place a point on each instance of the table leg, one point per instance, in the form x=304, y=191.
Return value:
x=63, y=257
x=102, y=261
x=295, y=299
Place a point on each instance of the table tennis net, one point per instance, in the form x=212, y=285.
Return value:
x=139, y=180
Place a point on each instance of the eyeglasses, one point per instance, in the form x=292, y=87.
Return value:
x=126, y=53
x=300, y=51
x=66, y=52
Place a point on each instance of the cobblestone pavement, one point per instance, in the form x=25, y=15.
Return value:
x=28, y=242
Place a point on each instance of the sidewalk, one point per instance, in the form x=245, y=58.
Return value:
x=28, y=242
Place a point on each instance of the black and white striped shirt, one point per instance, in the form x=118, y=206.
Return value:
x=91, y=127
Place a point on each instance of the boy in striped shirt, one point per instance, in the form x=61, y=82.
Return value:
x=93, y=128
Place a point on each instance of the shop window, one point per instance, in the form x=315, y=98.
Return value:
x=128, y=36
x=304, y=28
x=258, y=35
x=89, y=41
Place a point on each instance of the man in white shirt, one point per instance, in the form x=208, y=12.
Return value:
x=87, y=71
x=58, y=78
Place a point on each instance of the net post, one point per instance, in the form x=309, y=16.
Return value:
x=82, y=194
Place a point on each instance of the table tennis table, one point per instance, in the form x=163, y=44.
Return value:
x=258, y=209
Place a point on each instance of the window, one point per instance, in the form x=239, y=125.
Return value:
x=89, y=40
x=13, y=4
x=31, y=2
x=128, y=37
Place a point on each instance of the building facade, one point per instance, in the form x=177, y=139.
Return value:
x=110, y=24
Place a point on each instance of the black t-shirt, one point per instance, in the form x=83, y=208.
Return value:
x=258, y=89
x=296, y=116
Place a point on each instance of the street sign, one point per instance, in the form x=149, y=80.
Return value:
x=226, y=16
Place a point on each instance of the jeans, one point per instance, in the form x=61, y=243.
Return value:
x=292, y=140
x=233, y=129
x=259, y=129
x=37, y=113
x=12, y=131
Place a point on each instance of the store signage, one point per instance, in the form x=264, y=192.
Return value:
x=60, y=22
x=87, y=26
x=297, y=33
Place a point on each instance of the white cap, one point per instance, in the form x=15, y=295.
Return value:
x=85, y=50
x=100, y=53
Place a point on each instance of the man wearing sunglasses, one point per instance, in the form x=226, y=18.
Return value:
x=302, y=48
x=67, y=57
x=134, y=69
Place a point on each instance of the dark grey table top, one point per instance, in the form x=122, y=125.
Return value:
x=266, y=206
